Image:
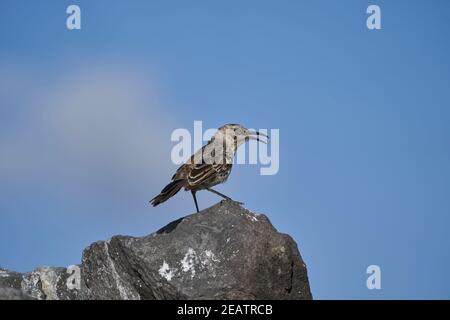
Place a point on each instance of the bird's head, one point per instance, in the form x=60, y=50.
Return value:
x=239, y=134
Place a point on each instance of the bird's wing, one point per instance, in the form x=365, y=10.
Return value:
x=182, y=172
x=204, y=173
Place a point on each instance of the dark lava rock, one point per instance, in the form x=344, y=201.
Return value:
x=223, y=252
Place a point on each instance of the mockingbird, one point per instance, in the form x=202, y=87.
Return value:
x=209, y=166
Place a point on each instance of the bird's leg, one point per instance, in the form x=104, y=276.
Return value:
x=219, y=194
x=222, y=195
x=195, y=200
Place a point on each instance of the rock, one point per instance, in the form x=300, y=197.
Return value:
x=223, y=252
x=44, y=283
x=13, y=294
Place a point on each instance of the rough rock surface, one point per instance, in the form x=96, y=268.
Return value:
x=223, y=252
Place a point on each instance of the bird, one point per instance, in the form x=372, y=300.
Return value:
x=209, y=166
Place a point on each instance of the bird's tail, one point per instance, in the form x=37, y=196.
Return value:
x=169, y=191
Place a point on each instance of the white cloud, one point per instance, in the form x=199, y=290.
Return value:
x=94, y=129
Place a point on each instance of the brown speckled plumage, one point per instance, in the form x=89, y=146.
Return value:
x=209, y=166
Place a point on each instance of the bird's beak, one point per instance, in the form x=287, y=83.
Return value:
x=255, y=135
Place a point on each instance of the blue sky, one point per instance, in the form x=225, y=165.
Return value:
x=86, y=118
